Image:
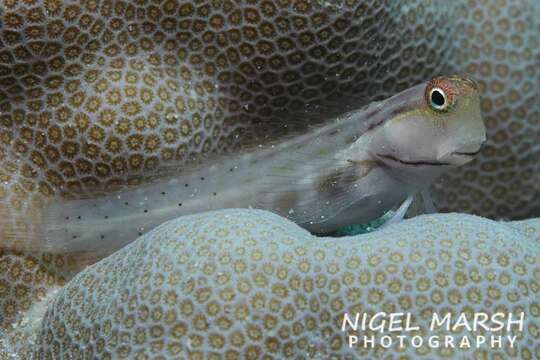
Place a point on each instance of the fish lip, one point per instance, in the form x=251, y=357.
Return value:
x=472, y=153
x=463, y=157
x=415, y=162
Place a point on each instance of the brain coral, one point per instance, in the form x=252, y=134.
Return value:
x=249, y=284
x=496, y=43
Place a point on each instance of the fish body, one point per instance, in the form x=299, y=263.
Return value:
x=303, y=179
x=351, y=170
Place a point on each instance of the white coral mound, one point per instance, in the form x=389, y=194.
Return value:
x=248, y=284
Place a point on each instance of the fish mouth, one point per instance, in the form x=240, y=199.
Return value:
x=473, y=153
x=463, y=157
x=413, y=162
x=455, y=158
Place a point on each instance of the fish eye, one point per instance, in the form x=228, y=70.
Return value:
x=437, y=99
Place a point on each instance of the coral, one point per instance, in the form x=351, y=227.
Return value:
x=27, y=281
x=247, y=283
x=495, y=42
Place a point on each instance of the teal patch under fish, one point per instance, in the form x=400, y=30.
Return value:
x=357, y=229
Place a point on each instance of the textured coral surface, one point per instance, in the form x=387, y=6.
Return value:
x=495, y=42
x=99, y=93
x=246, y=283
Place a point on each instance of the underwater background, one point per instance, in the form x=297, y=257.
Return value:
x=100, y=95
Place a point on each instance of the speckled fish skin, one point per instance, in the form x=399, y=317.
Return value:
x=117, y=90
x=351, y=170
x=83, y=84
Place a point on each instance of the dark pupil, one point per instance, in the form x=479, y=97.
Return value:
x=437, y=98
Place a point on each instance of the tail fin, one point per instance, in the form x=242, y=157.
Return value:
x=20, y=231
x=23, y=233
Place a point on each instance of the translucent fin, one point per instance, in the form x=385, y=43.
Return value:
x=400, y=212
x=312, y=193
x=294, y=121
x=24, y=234
x=81, y=226
x=429, y=207
x=19, y=232
x=62, y=232
x=77, y=260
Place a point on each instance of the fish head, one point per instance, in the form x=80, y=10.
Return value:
x=436, y=126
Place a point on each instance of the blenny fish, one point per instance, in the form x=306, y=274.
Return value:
x=350, y=170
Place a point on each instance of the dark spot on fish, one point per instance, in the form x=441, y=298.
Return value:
x=67, y=217
x=145, y=210
x=342, y=178
x=372, y=112
x=163, y=193
x=106, y=216
x=179, y=204
x=202, y=178
x=335, y=182
x=126, y=203
x=351, y=139
x=334, y=132
x=186, y=185
x=375, y=125
x=399, y=110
